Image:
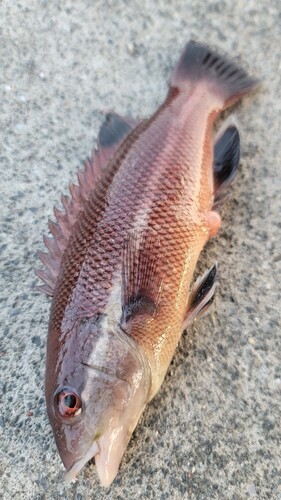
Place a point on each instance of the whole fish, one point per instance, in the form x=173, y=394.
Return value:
x=123, y=254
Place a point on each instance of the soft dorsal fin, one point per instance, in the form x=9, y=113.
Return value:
x=114, y=130
x=112, y=133
x=141, y=283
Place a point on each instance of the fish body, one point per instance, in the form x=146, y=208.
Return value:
x=121, y=263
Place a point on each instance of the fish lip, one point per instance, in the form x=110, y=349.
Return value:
x=71, y=473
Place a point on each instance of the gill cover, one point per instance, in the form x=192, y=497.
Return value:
x=100, y=394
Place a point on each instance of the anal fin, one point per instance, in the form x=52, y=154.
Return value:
x=226, y=161
x=201, y=296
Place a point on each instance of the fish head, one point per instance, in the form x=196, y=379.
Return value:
x=95, y=396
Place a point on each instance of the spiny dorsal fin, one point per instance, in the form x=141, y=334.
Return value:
x=141, y=284
x=111, y=135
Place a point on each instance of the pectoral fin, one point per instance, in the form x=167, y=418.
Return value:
x=141, y=283
x=201, y=296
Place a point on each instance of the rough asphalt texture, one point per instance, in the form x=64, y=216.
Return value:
x=213, y=431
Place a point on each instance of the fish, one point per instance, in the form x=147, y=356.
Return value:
x=122, y=254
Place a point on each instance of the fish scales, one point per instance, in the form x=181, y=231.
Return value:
x=158, y=184
x=129, y=244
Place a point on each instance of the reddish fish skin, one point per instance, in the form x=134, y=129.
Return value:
x=157, y=190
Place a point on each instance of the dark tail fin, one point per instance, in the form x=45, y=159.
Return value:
x=223, y=77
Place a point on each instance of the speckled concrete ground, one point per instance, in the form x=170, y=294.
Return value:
x=213, y=431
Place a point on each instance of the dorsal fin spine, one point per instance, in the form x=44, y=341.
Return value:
x=66, y=219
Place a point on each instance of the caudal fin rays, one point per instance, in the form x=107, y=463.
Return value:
x=224, y=78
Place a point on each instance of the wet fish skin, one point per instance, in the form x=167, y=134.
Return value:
x=123, y=256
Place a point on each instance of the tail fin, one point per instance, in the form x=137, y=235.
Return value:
x=223, y=77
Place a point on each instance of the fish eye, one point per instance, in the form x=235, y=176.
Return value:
x=68, y=403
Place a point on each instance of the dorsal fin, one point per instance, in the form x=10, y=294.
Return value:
x=141, y=283
x=114, y=130
x=112, y=133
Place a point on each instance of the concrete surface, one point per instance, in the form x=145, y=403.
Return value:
x=213, y=431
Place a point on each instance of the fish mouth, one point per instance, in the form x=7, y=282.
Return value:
x=107, y=451
x=71, y=473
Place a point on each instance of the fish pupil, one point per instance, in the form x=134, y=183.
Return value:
x=70, y=401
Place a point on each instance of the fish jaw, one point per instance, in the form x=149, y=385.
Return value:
x=113, y=444
x=110, y=456
x=71, y=473
x=109, y=448
x=107, y=451
x=111, y=379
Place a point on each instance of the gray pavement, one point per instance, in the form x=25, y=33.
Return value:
x=213, y=431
